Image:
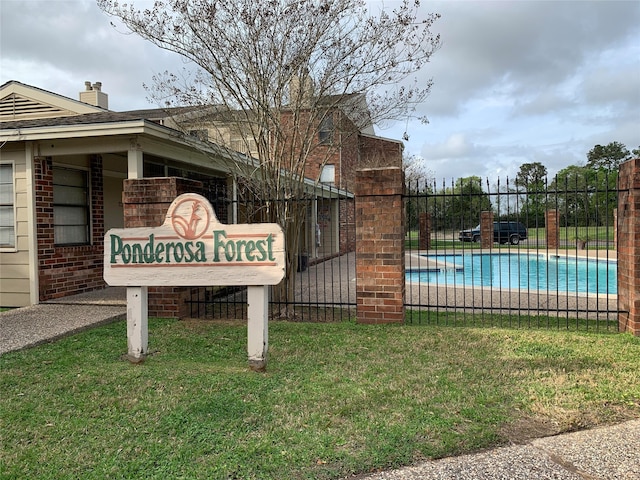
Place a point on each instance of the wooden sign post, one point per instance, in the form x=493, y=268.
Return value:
x=192, y=248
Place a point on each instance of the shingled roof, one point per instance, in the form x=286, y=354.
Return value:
x=153, y=115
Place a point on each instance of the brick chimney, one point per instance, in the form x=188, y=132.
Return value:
x=93, y=95
x=301, y=89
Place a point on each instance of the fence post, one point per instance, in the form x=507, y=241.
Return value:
x=615, y=228
x=486, y=229
x=629, y=247
x=380, y=230
x=425, y=231
x=552, y=231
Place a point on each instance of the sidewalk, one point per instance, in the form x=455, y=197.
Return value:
x=603, y=453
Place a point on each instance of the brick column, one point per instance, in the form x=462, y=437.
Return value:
x=486, y=229
x=424, y=234
x=380, y=227
x=146, y=202
x=551, y=228
x=629, y=247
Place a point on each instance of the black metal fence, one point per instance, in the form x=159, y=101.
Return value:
x=324, y=278
x=527, y=283
x=520, y=280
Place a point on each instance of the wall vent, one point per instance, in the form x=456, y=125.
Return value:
x=15, y=107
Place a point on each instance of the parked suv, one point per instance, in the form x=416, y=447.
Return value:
x=503, y=232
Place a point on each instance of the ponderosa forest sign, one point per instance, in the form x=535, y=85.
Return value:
x=192, y=248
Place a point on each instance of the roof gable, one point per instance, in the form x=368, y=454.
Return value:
x=24, y=102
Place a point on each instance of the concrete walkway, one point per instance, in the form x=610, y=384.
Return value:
x=604, y=453
x=29, y=326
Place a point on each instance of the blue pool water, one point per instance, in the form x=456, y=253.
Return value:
x=522, y=271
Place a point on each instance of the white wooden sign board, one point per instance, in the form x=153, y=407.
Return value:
x=192, y=248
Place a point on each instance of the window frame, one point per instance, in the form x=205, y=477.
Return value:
x=11, y=247
x=86, y=205
x=326, y=129
x=328, y=174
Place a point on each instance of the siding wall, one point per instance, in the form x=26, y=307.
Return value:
x=14, y=270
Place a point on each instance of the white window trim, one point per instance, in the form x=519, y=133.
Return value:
x=328, y=174
x=15, y=215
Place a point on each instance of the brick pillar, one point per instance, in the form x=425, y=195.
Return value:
x=486, y=229
x=380, y=227
x=551, y=228
x=425, y=231
x=146, y=202
x=629, y=247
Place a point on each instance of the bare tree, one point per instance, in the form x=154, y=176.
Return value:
x=266, y=77
x=416, y=171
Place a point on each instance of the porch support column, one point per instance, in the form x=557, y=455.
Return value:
x=34, y=277
x=135, y=163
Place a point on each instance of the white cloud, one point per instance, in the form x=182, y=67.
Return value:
x=514, y=82
x=456, y=146
x=547, y=77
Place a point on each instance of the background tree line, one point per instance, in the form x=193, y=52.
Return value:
x=584, y=195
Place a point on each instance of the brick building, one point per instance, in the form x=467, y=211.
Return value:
x=63, y=163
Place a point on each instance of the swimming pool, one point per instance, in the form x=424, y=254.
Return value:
x=524, y=271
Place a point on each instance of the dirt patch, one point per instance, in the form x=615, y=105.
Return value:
x=525, y=429
x=528, y=428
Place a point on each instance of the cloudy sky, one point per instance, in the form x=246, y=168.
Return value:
x=514, y=82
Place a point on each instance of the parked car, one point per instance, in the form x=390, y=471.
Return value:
x=503, y=232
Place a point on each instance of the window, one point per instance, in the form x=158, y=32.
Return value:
x=328, y=174
x=176, y=172
x=325, y=132
x=70, y=206
x=244, y=145
x=7, y=207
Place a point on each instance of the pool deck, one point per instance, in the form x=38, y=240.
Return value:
x=590, y=254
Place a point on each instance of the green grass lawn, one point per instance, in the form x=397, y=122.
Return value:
x=337, y=398
x=571, y=233
x=568, y=236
